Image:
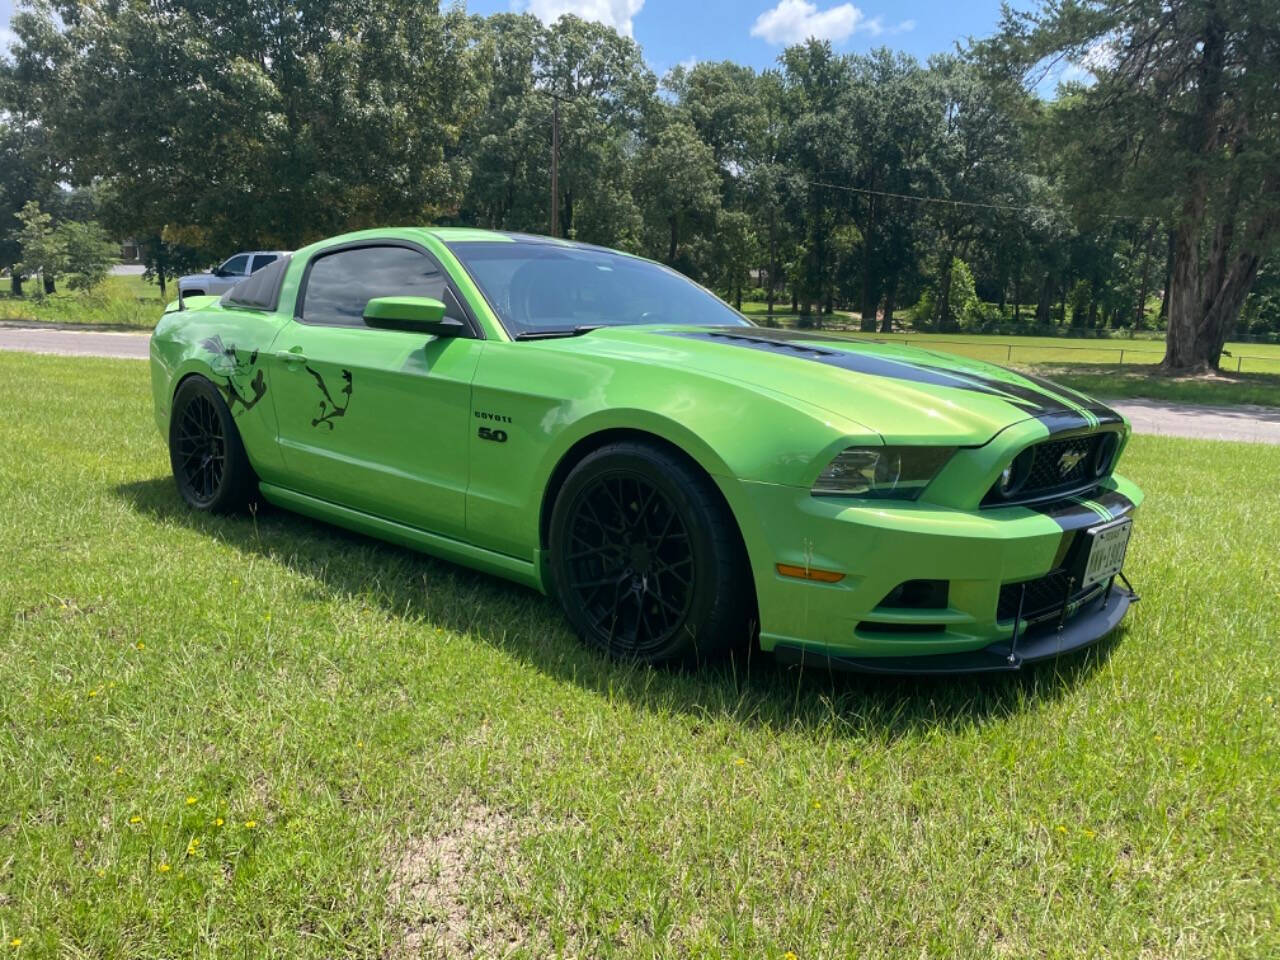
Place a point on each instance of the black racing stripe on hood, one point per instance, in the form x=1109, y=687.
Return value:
x=803, y=347
x=1100, y=410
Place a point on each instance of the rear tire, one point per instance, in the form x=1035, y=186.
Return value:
x=646, y=559
x=208, y=459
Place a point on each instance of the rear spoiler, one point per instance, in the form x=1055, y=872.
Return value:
x=189, y=303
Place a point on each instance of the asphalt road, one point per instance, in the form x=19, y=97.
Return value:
x=1247, y=423
x=74, y=343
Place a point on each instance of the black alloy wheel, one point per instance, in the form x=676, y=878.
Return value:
x=646, y=560
x=202, y=450
x=208, y=459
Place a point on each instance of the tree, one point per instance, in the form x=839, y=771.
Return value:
x=735, y=250
x=43, y=249
x=679, y=182
x=254, y=124
x=88, y=253
x=1181, y=123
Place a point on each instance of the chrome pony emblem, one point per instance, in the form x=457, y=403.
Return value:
x=1070, y=460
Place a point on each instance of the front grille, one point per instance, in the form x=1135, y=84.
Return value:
x=1060, y=466
x=1049, y=469
x=1044, y=597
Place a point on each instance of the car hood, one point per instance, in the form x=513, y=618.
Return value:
x=195, y=276
x=903, y=393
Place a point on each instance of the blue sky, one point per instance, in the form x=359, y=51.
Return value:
x=754, y=31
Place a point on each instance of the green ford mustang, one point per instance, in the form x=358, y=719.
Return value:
x=595, y=426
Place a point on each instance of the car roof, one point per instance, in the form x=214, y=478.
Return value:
x=456, y=235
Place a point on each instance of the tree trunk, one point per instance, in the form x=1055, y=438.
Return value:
x=890, y=298
x=675, y=238
x=49, y=284
x=942, y=310
x=15, y=281
x=1140, y=314
x=1168, y=277
x=1044, y=304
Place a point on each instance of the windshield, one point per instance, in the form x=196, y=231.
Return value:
x=537, y=287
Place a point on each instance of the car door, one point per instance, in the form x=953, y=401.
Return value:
x=376, y=419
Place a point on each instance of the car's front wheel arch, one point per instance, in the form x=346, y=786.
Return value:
x=589, y=444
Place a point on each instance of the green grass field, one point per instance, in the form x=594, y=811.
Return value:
x=266, y=737
x=126, y=302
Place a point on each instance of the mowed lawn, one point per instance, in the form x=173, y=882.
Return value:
x=127, y=302
x=266, y=737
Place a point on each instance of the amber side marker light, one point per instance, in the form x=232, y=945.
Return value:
x=810, y=573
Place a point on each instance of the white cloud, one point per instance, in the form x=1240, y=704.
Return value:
x=794, y=21
x=7, y=37
x=612, y=13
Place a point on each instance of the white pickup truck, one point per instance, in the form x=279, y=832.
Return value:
x=227, y=274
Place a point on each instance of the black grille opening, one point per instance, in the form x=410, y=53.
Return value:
x=917, y=595
x=1062, y=466
x=1044, y=596
x=875, y=626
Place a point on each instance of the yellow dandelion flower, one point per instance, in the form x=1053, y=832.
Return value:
x=164, y=868
x=741, y=762
x=191, y=801
x=267, y=617
x=817, y=805
x=140, y=645
x=360, y=744
x=101, y=873
x=97, y=758
x=135, y=819
x=250, y=824
x=790, y=955
x=93, y=693
x=218, y=821
x=119, y=770
x=16, y=942
x=1061, y=829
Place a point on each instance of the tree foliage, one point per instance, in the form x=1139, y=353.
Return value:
x=1179, y=124
x=860, y=182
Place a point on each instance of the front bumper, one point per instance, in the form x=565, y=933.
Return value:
x=1086, y=627
x=976, y=552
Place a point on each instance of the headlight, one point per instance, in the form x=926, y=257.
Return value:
x=881, y=473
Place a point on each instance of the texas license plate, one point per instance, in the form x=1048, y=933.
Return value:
x=1106, y=552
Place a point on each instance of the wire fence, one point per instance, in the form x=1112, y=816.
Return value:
x=1042, y=353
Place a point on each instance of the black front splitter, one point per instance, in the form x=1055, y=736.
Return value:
x=1090, y=624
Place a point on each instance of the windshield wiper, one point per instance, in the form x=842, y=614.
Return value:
x=558, y=332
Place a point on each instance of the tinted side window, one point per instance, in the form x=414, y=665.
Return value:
x=236, y=265
x=340, y=284
x=261, y=260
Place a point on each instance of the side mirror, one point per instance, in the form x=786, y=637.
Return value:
x=414, y=314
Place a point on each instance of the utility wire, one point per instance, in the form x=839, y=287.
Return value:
x=963, y=203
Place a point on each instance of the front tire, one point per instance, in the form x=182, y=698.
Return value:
x=208, y=459
x=646, y=559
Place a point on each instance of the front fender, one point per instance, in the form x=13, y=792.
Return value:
x=229, y=349
x=733, y=430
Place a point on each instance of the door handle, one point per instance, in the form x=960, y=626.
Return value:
x=292, y=355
